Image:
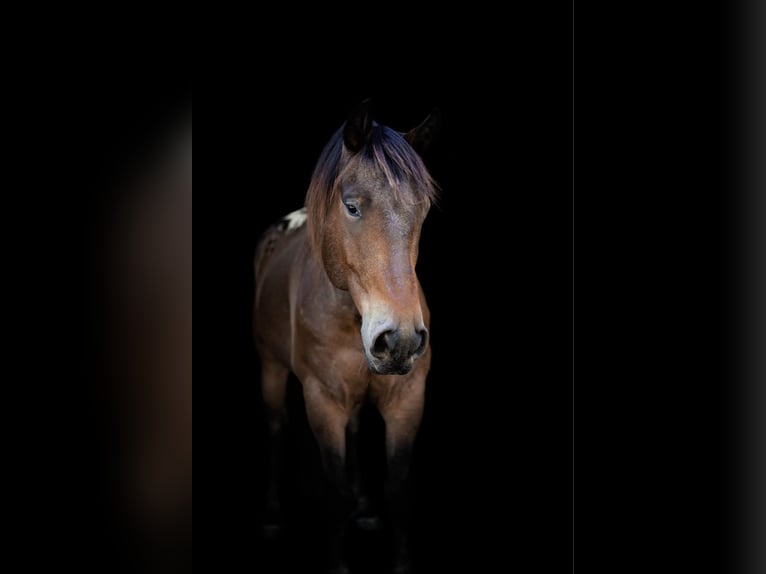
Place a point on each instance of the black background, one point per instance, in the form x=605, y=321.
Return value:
x=637, y=254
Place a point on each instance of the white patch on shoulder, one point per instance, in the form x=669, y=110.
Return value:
x=295, y=219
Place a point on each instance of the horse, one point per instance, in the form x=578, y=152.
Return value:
x=338, y=303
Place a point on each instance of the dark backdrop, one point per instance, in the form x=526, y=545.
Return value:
x=509, y=446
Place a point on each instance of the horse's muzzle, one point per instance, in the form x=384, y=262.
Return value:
x=395, y=351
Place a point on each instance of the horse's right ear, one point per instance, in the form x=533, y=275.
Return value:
x=358, y=127
x=423, y=136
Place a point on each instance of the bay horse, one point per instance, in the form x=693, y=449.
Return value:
x=338, y=303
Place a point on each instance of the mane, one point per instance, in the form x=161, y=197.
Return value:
x=387, y=152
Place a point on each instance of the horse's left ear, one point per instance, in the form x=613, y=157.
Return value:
x=358, y=127
x=421, y=137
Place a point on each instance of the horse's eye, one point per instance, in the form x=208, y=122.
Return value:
x=352, y=210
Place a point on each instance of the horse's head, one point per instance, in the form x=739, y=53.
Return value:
x=369, y=197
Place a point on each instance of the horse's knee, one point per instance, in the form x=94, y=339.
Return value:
x=334, y=465
x=399, y=468
x=274, y=385
x=275, y=421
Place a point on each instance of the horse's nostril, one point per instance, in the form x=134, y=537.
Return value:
x=382, y=346
x=423, y=335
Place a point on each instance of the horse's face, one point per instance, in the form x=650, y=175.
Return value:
x=364, y=222
x=375, y=245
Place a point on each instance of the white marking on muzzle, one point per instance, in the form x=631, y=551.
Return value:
x=377, y=317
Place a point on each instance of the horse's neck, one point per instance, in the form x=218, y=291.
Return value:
x=319, y=291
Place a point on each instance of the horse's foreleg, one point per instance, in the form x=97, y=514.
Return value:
x=273, y=386
x=328, y=422
x=402, y=418
x=363, y=517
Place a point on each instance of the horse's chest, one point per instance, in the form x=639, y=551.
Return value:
x=331, y=347
x=340, y=371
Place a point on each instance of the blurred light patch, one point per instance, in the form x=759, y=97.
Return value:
x=150, y=345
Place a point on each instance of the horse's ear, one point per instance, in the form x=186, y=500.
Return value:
x=421, y=137
x=358, y=127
